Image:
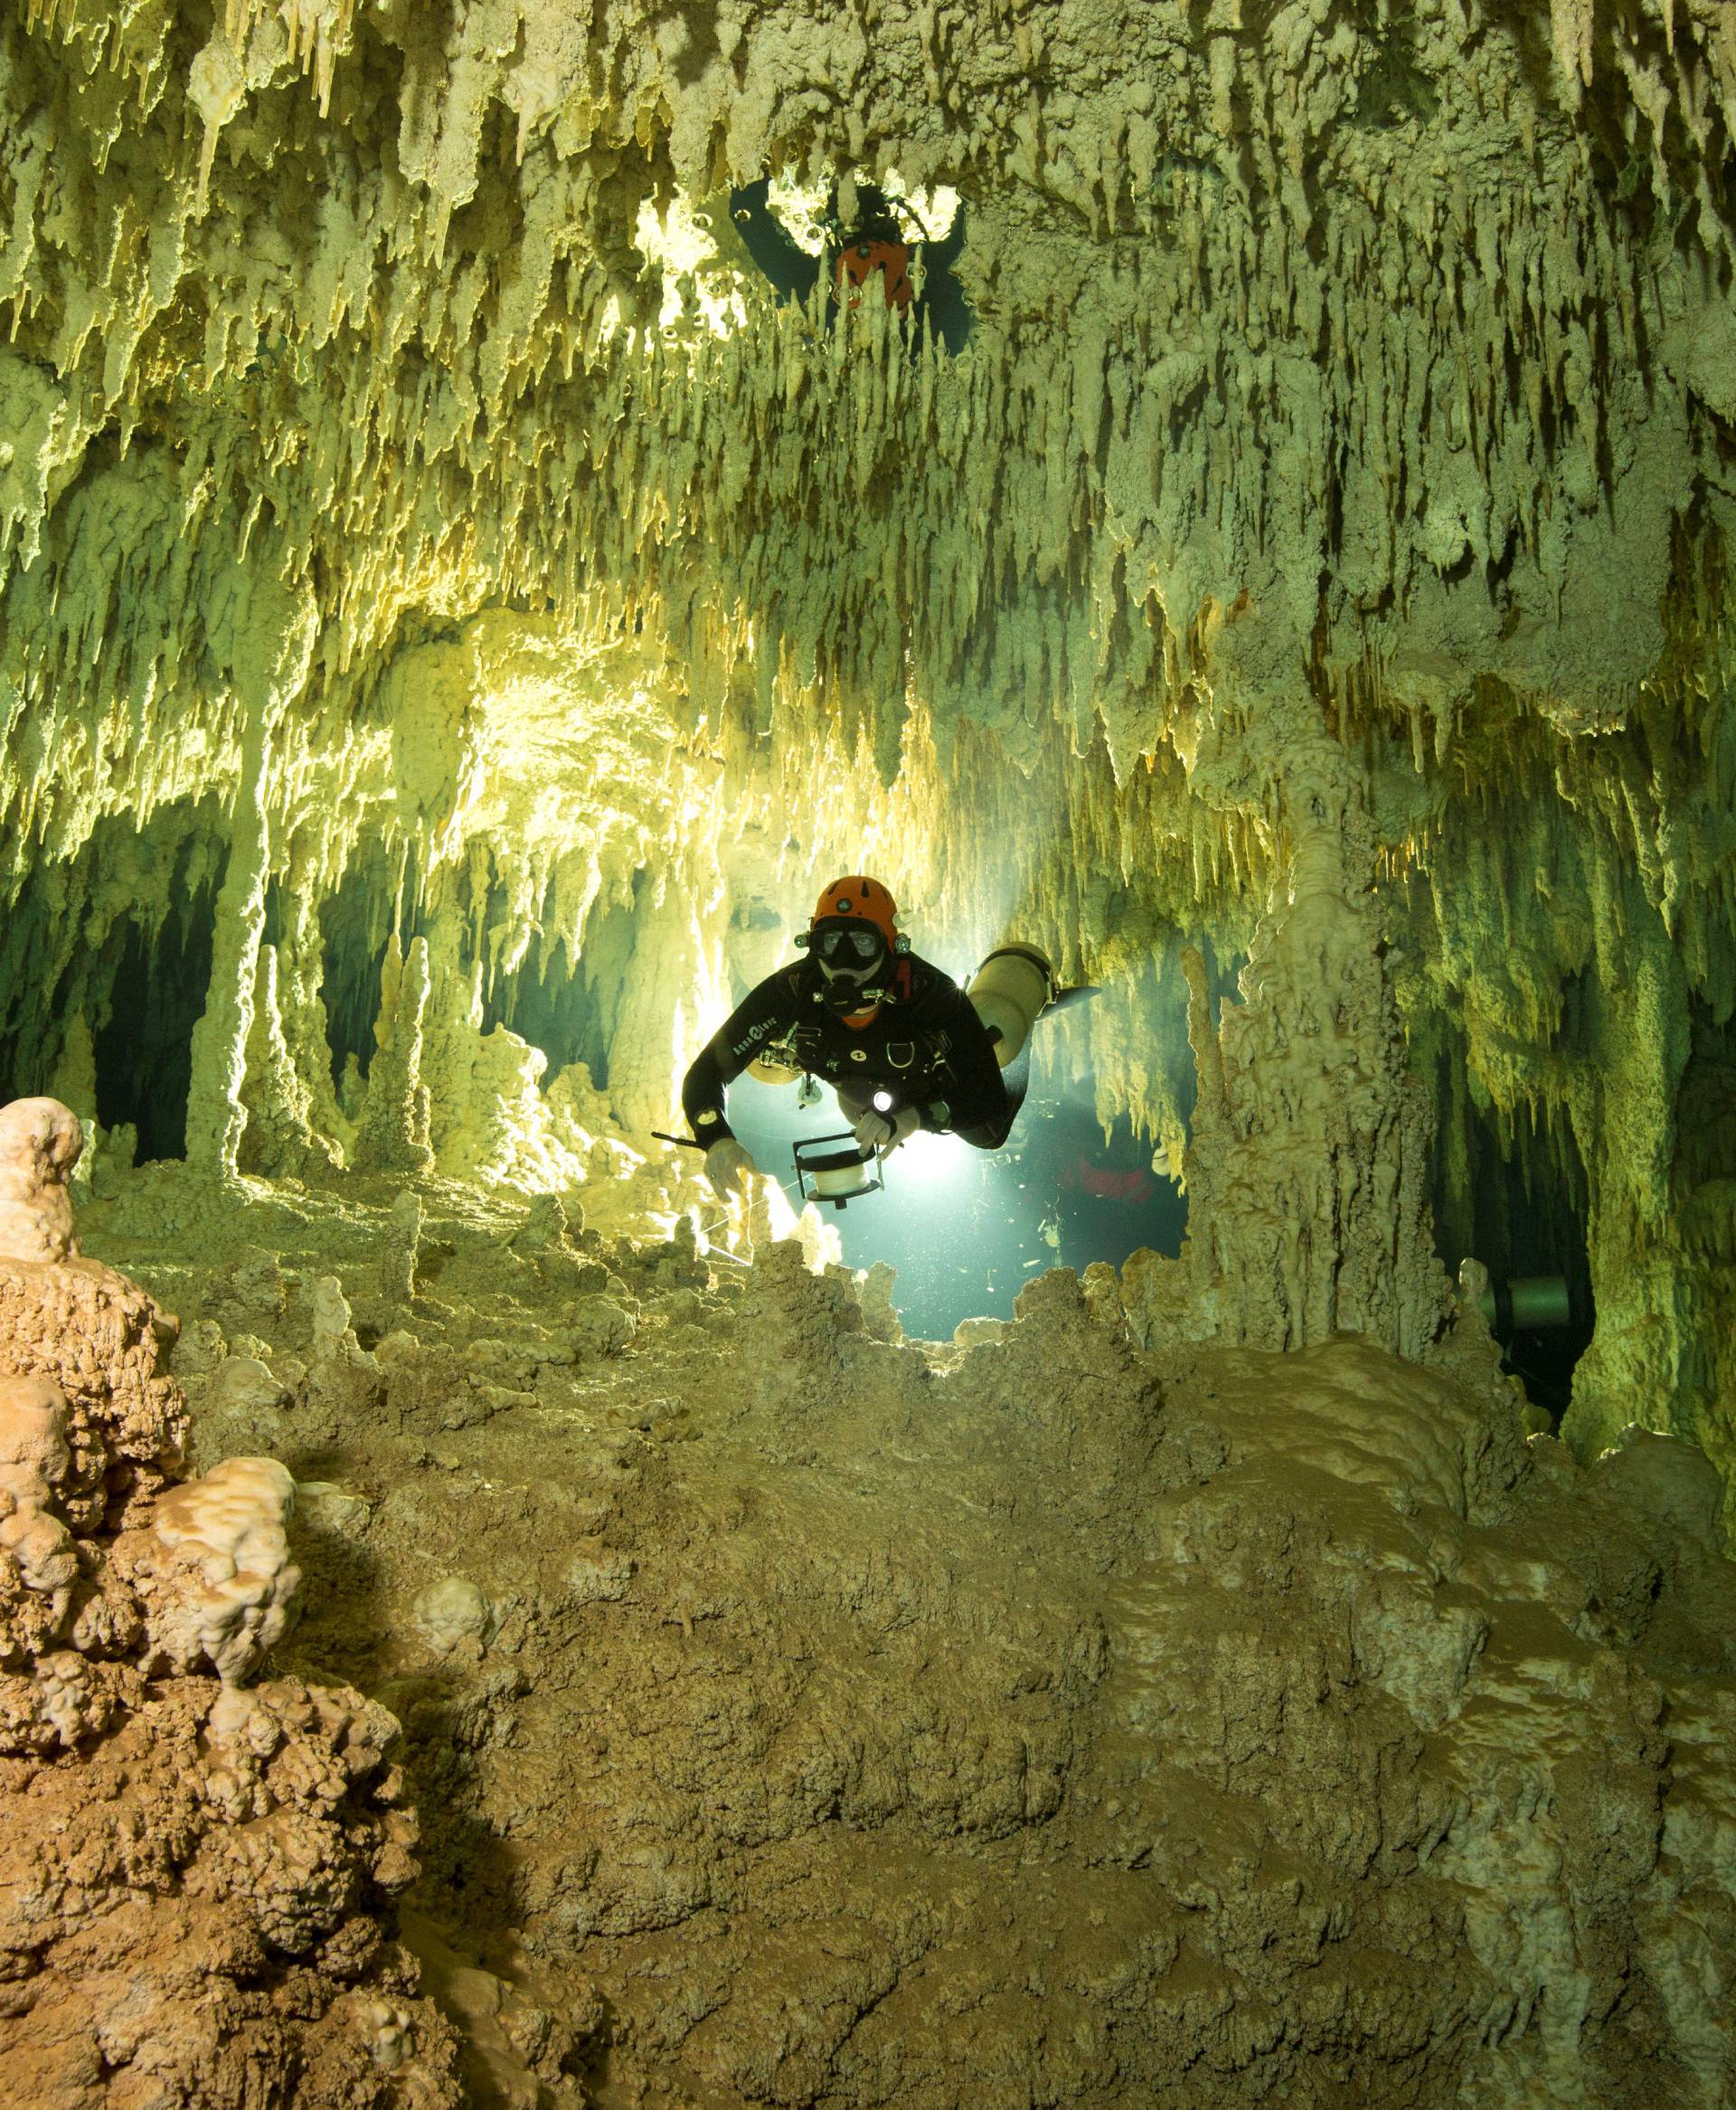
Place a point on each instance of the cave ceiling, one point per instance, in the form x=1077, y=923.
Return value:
x=1396, y=337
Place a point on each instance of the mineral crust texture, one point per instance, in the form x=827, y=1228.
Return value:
x=1089, y=1711
x=454, y=616
x=194, y=1895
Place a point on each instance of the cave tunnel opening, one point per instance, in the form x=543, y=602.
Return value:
x=1102, y=1196
x=966, y=1230
x=157, y=993
x=553, y=1003
x=567, y=1003
x=1704, y=1172
x=355, y=922
x=1522, y=1212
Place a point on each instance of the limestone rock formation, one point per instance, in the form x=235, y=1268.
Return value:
x=217, y=1580
x=40, y=1143
x=395, y=394
x=393, y=1137
x=197, y=1869
x=1090, y=1708
x=1309, y=1158
x=453, y=616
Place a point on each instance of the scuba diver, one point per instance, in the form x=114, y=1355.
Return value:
x=901, y=1043
x=875, y=241
x=1108, y=1199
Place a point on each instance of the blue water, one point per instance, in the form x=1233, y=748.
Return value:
x=966, y=1230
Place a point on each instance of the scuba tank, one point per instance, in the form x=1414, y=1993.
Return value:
x=1013, y=989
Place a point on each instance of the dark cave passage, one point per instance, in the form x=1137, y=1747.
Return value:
x=1524, y=1218
x=143, y=1050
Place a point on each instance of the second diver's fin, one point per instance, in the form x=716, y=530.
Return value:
x=1063, y=997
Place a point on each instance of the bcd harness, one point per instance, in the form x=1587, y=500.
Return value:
x=809, y=1046
x=817, y=1046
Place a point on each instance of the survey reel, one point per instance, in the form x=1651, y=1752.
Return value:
x=840, y=1176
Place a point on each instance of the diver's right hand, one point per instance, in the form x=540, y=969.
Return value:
x=729, y=1168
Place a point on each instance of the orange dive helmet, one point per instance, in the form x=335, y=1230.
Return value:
x=854, y=937
x=859, y=900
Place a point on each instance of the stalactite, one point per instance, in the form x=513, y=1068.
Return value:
x=1389, y=371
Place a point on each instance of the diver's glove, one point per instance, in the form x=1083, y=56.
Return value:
x=884, y=1132
x=729, y=1168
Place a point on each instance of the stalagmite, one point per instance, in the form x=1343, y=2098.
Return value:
x=393, y=1135
x=276, y=1099
x=40, y=1143
x=213, y=1842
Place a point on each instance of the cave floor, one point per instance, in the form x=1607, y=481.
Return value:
x=798, y=1715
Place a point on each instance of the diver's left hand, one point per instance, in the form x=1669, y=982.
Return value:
x=883, y=1133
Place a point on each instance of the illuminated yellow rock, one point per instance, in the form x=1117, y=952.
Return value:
x=408, y=488
x=452, y=618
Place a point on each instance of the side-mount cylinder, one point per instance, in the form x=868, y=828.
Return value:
x=1527, y=1304
x=1010, y=990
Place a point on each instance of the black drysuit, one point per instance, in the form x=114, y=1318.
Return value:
x=793, y=272
x=925, y=1045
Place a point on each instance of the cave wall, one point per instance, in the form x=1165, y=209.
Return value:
x=383, y=520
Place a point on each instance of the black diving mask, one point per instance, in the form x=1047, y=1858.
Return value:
x=852, y=959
